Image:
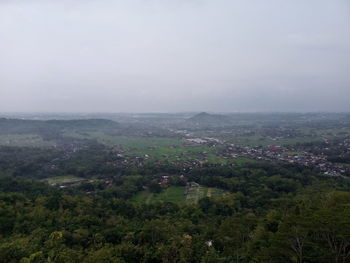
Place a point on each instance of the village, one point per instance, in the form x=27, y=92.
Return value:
x=227, y=151
x=206, y=150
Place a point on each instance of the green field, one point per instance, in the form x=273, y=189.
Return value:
x=335, y=132
x=176, y=194
x=305, y=135
x=61, y=179
x=195, y=194
x=24, y=140
x=265, y=141
x=172, y=194
x=125, y=141
x=163, y=149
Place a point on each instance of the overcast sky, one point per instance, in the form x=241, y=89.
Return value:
x=174, y=55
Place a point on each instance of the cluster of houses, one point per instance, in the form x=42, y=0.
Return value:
x=205, y=140
x=273, y=153
x=290, y=155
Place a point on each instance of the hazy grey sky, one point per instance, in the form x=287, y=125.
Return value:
x=174, y=55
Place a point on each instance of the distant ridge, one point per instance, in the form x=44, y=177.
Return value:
x=209, y=119
x=84, y=123
x=32, y=126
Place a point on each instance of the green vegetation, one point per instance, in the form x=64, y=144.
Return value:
x=171, y=194
x=63, y=227
x=62, y=179
x=125, y=141
x=24, y=140
x=177, y=195
x=160, y=200
x=195, y=194
x=259, y=140
x=163, y=149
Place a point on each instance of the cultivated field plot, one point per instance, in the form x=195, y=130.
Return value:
x=178, y=195
x=63, y=179
x=172, y=194
x=197, y=193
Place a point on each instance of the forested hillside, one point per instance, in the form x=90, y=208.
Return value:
x=43, y=225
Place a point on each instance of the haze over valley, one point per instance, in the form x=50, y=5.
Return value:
x=174, y=131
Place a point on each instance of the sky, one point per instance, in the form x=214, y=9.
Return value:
x=174, y=55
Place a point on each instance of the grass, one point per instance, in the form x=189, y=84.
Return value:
x=131, y=142
x=176, y=194
x=195, y=194
x=24, y=140
x=216, y=193
x=173, y=194
x=61, y=179
x=143, y=197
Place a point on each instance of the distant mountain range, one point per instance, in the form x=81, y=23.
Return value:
x=205, y=118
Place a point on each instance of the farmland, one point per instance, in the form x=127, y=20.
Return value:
x=177, y=194
x=62, y=179
x=258, y=140
x=162, y=149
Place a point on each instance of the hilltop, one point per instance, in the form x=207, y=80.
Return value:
x=205, y=118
